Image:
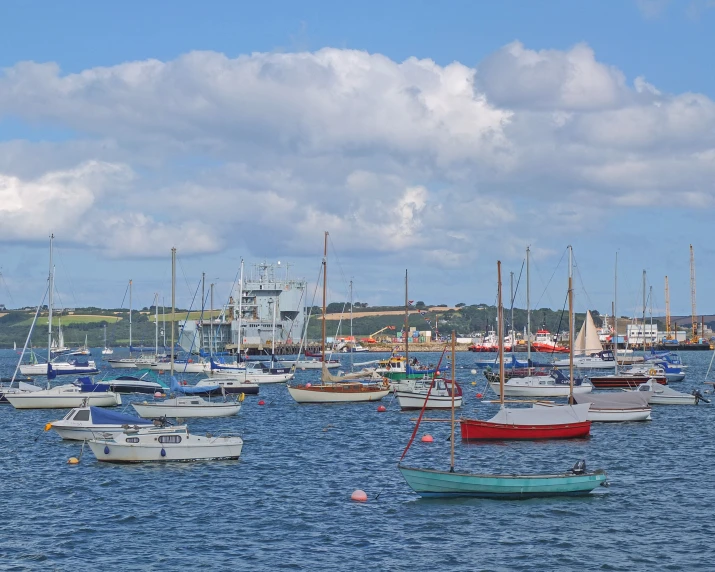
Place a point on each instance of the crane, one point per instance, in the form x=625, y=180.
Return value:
x=692, y=295
x=667, y=311
x=371, y=338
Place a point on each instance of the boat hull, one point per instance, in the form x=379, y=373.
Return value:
x=33, y=401
x=152, y=410
x=444, y=484
x=474, y=429
x=122, y=363
x=340, y=393
x=540, y=390
x=619, y=415
x=617, y=382
x=410, y=401
x=130, y=453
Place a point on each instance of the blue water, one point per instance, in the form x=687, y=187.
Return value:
x=286, y=503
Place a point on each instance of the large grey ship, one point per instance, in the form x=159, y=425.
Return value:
x=267, y=295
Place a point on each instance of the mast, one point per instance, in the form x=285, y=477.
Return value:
x=325, y=292
x=163, y=320
x=211, y=323
x=571, y=324
x=452, y=390
x=130, y=316
x=273, y=335
x=173, y=305
x=203, y=298
x=156, y=324
x=528, y=311
x=352, y=343
x=615, y=315
x=49, y=311
x=500, y=334
x=650, y=295
x=644, y=303
x=511, y=292
x=240, y=314
x=667, y=310
x=407, y=331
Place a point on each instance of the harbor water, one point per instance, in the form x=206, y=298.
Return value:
x=285, y=505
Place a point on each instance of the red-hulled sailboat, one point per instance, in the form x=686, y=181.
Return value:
x=559, y=422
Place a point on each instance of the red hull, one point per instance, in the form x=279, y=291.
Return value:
x=473, y=429
x=625, y=382
x=547, y=349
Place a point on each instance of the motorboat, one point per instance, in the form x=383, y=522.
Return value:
x=88, y=422
x=230, y=384
x=600, y=360
x=65, y=397
x=544, y=342
x=59, y=366
x=629, y=378
x=664, y=395
x=428, y=393
x=181, y=366
x=556, y=384
x=164, y=444
x=186, y=407
x=145, y=381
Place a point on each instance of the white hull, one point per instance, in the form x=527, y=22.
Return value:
x=124, y=363
x=184, y=408
x=107, y=352
x=314, y=364
x=78, y=433
x=587, y=363
x=62, y=397
x=315, y=396
x=676, y=400
x=59, y=368
x=196, y=367
x=409, y=400
x=619, y=415
x=540, y=390
x=149, y=447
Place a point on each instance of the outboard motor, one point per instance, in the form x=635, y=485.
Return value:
x=579, y=468
x=699, y=396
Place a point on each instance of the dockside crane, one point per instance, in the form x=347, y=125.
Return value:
x=694, y=339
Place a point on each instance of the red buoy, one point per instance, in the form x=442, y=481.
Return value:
x=427, y=439
x=261, y=402
x=359, y=496
x=381, y=409
x=479, y=395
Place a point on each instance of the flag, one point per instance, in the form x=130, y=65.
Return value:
x=411, y=302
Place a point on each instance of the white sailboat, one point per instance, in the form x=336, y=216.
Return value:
x=130, y=362
x=106, y=351
x=588, y=351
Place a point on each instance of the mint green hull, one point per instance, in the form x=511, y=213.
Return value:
x=431, y=483
x=401, y=375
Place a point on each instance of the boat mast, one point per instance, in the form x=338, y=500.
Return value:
x=644, y=312
x=130, y=316
x=650, y=295
x=511, y=292
x=240, y=314
x=49, y=312
x=173, y=305
x=156, y=324
x=500, y=334
x=452, y=390
x=572, y=324
x=163, y=320
x=273, y=335
x=615, y=315
x=203, y=298
x=325, y=291
x=528, y=312
x=350, y=347
x=211, y=323
x=407, y=331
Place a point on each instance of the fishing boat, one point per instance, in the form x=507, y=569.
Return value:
x=559, y=422
x=544, y=343
x=336, y=389
x=63, y=397
x=88, y=422
x=452, y=483
x=164, y=444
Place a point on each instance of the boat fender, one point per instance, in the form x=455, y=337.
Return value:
x=579, y=468
x=242, y=396
x=652, y=372
x=163, y=452
x=106, y=450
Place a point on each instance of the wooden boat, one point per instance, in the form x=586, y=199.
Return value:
x=453, y=484
x=558, y=422
x=164, y=444
x=624, y=380
x=337, y=389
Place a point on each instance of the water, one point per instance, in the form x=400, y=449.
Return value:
x=286, y=503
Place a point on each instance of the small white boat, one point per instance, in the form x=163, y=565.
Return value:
x=189, y=366
x=186, y=407
x=165, y=444
x=303, y=364
x=62, y=397
x=60, y=367
x=554, y=385
x=84, y=423
x=230, y=384
x=414, y=395
x=617, y=407
x=123, y=363
x=664, y=395
x=107, y=351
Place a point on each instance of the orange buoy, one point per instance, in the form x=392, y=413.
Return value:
x=427, y=439
x=359, y=496
x=479, y=395
x=72, y=461
x=381, y=409
x=261, y=402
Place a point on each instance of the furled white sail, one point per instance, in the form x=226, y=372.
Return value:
x=587, y=341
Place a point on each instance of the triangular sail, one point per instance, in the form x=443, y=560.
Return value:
x=587, y=341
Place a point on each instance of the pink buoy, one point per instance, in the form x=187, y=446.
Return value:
x=158, y=394
x=261, y=402
x=359, y=496
x=308, y=384
x=381, y=409
x=427, y=439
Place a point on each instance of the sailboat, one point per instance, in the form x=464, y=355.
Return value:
x=589, y=352
x=559, y=422
x=337, y=389
x=107, y=351
x=130, y=362
x=451, y=483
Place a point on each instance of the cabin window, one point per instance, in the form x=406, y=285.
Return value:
x=132, y=439
x=194, y=403
x=82, y=415
x=170, y=439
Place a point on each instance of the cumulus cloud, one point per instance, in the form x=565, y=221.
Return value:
x=207, y=152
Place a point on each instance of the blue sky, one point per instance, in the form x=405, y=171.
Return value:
x=599, y=143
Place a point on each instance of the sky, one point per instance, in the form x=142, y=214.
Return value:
x=433, y=137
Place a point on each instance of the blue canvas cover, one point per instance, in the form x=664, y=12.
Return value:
x=85, y=383
x=106, y=417
x=176, y=387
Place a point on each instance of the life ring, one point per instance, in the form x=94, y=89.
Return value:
x=652, y=371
